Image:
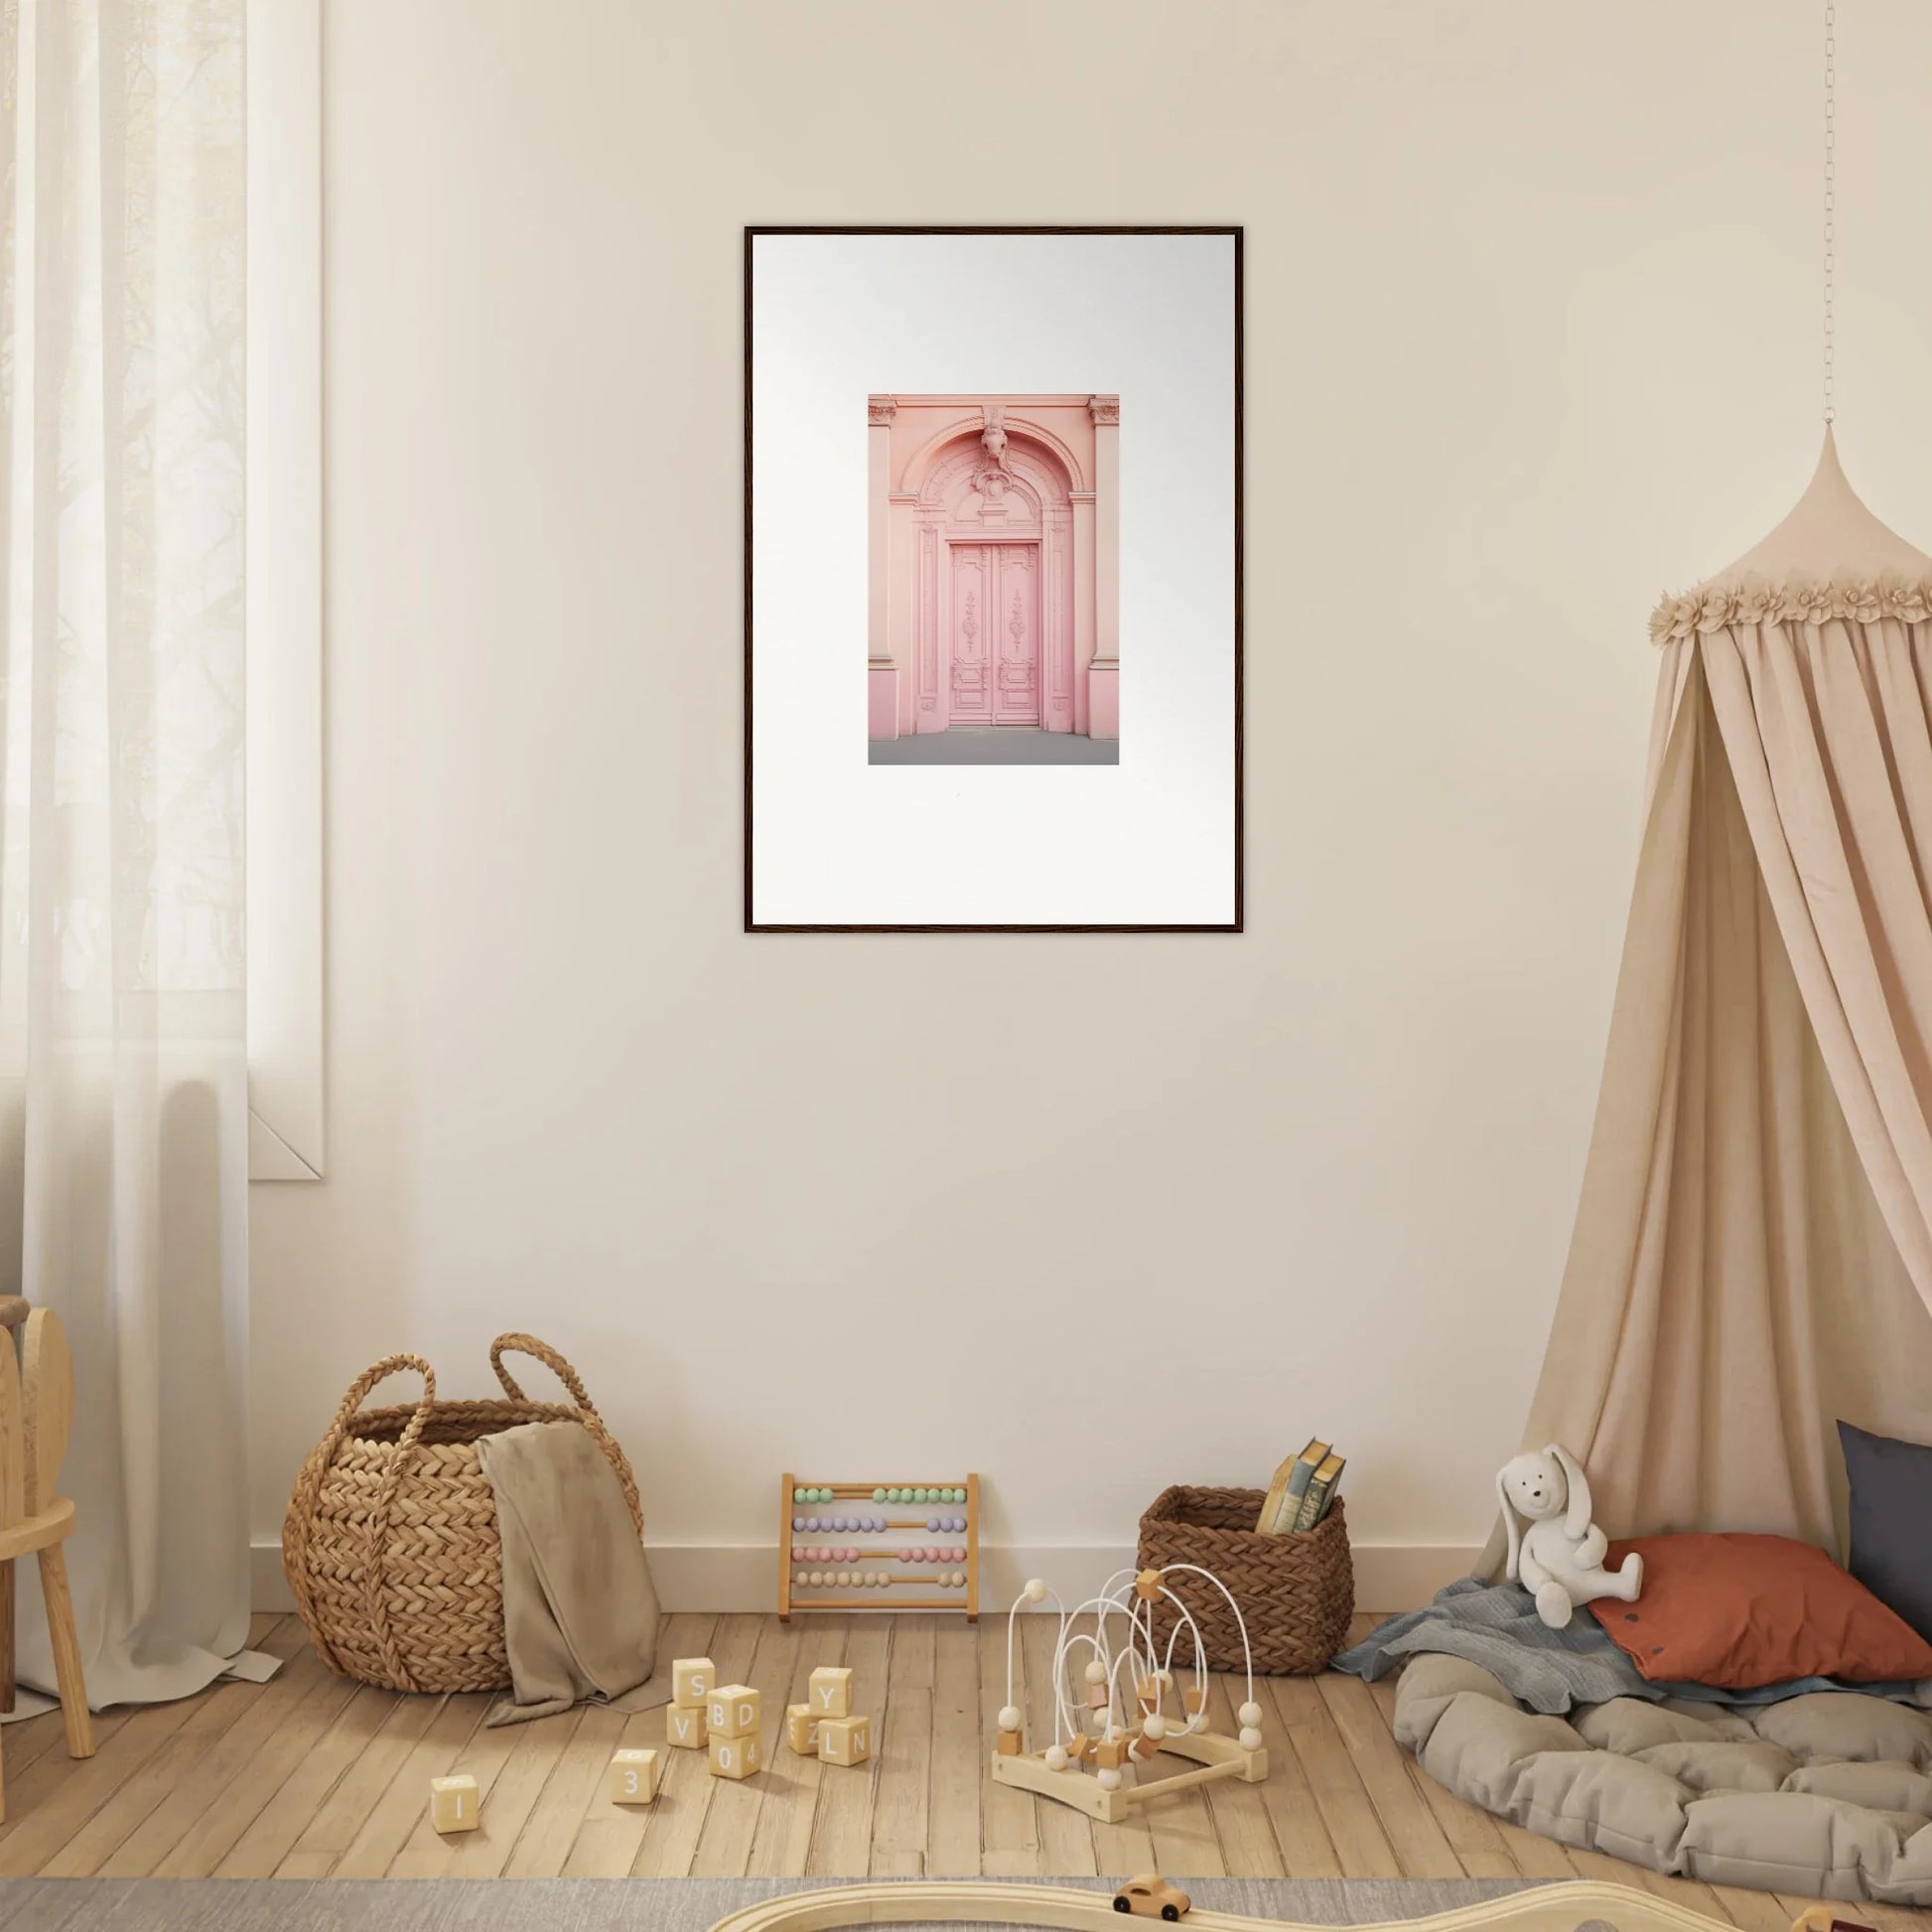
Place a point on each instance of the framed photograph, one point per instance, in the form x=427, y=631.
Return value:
x=993, y=579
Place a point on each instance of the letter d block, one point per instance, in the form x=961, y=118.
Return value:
x=732, y=1710
x=684, y=1730
x=830, y=1689
x=455, y=1804
x=734, y=1757
x=844, y=1740
x=633, y=1778
x=693, y=1679
x=801, y=1730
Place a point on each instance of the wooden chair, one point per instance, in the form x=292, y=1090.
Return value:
x=36, y=1416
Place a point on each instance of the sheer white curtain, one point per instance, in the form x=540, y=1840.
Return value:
x=123, y=1097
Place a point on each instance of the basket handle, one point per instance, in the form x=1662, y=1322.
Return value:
x=309, y=1483
x=523, y=1345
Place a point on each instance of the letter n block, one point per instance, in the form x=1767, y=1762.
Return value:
x=732, y=1710
x=734, y=1757
x=693, y=1679
x=455, y=1804
x=684, y=1729
x=844, y=1740
x=830, y=1689
x=633, y=1778
x=801, y=1730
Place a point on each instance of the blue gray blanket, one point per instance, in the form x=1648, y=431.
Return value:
x=1496, y=1625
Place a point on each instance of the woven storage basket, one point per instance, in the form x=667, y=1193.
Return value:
x=1296, y=1592
x=391, y=1545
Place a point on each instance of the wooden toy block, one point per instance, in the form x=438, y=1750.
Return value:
x=801, y=1730
x=1080, y=1748
x=1007, y=1743
x=684, y=1730
x=734, y=1757
x=1149, y=1700
x=1143, y=1749
x=455, y=1804
x=693, y=1679
x=844, y=1740
x=633, y=1778
x=1147, y=1585
x=1098, y=1697
x=732, y=1710
x=1110, y=1754
x=830, y=1689
x=1196, y=1699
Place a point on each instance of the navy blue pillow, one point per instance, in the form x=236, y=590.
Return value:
x=1891, y=1522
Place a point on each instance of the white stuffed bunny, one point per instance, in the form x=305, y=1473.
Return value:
x=1559, y=1558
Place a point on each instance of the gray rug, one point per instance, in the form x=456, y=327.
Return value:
x=992, y=747
x=605, y=1904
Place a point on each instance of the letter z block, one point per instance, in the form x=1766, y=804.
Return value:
x=801, y=1730
x=455, y=1804
x=830, y=1689
x=844, y=1740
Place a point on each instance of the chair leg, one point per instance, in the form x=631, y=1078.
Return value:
x=66, y=1651
x=6, y=1637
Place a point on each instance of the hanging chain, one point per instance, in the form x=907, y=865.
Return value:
x=1831, y=190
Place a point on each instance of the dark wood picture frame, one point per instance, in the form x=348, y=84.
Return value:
x=1236, y=233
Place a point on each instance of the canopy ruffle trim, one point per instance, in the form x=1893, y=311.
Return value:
x=1852, y=599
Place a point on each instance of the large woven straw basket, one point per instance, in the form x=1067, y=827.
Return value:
x=1296, y=1592
x=391, y=1545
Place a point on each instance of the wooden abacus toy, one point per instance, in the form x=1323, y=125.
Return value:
x=919, y=1536
x=1093, y=1744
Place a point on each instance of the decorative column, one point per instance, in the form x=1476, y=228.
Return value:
x=1103, y=675
x=882, y=674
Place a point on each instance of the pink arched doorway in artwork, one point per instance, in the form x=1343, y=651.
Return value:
x=994, y=546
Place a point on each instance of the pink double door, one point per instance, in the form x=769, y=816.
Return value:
x=995, y=633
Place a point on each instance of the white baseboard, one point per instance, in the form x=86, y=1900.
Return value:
x=735, y=1576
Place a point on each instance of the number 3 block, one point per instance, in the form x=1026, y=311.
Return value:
x=633, y=1778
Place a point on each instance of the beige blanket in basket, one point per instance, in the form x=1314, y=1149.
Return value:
x=580, y=1612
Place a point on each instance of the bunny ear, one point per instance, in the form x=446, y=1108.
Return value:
x=1577, y=1511
x=1515, y=1527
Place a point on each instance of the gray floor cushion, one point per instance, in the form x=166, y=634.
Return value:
x=1829, y=1794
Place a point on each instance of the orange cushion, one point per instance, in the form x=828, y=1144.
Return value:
x=1744, y=1610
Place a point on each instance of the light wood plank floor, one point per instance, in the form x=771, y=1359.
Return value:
x=309, y=1776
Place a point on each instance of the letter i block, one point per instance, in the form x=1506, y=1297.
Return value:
x=831, y=1690
x=734, y=1757
x=801, y=1730
x=693, y=1679
x=453, y=1804
x=732, y=1712
x=844, y=1740
x=633, y=1778
x=684, y=1730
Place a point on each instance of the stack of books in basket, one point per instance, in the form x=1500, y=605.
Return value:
x=1302, y=1490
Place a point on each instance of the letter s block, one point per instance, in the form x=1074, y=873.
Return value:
x=693, y=1679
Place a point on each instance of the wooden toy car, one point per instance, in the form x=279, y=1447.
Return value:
x=1151, y=1896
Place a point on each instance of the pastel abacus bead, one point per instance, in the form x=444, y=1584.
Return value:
x=878, y=1495
x=798, y=1496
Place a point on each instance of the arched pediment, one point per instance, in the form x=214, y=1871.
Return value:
x=1061, y=467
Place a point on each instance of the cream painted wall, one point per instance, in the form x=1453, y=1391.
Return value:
x=1532, y=333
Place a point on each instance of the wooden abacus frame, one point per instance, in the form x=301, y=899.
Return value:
x=872, y=1597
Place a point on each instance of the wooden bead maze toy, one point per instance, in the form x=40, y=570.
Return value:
x=879, y=1546
x=1094, y=1743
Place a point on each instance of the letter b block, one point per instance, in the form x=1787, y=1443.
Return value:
x=844, y=1740
x=734, y=1757
x=633, y=1778
x=732, y=1712
x=453, y=1804
x=684, y=1730
x=831, y=1691
x=693, y=1679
